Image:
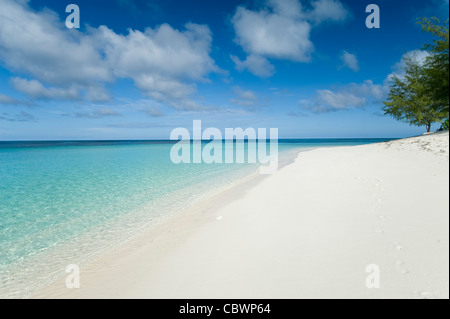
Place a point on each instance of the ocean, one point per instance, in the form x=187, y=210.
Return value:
x=70, y=202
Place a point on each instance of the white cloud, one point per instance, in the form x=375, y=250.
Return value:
x=163, y=51
x=273, y=35
x=247, y=95
x=281, y=30
x=357, y=95
x=244, y=103
x=328, y=10
x=37, y=90
x=377, y=92
x=327, y=101
x=350, y=60
x=163, y=62
x=350, y=96
x=244, y=98
x=38, y=44
x=255, y=64
x=287, y=8
x=98, y=94
x=4, y=99
x=169, y=91
x=153, y=112
x=398, y=69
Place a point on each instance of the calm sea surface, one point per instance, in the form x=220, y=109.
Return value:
x=67, y=202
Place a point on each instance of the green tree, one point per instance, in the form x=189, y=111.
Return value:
x=445, y=125
x=436, y=75
x=409, y=99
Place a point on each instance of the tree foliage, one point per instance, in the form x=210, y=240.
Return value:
x=409, y=100
x=421, y=96
x=437, y=64
x=445, y=125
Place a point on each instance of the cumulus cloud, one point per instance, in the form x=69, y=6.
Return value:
x=354, y=95
x=287, y=8
x=36, y=90
x=398, y=69
x=38, y=44
x=98, y=94
x=244, y=98
x=4, y=99
x=328, y=10
x=328, y=101
x=281, y=30
x=350, y=61
x=377, y=92
x=163, y=51
x=55, y=62
x=256, y=64
x=273, y=35
x=357, y=95
x=157, y=60
x=245, y=94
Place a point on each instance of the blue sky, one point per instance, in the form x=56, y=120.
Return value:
x=138, y=69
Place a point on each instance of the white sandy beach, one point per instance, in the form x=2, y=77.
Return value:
x=308, y=231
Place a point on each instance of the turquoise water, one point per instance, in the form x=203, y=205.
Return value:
x=66, y=202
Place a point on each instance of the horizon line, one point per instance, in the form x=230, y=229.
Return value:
x=203, y=140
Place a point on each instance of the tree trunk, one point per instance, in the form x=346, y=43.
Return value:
x=428, y=127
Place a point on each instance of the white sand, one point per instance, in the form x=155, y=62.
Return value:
x=308, y=231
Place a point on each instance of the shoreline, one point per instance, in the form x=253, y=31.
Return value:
x=42, y=270
x=166, y=235
x=308, y=231
x=188, y=216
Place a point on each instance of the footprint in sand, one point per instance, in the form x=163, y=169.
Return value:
x=379, y=231
x=379, y=185
x=219, y=218
x=398, y=246
x=383, y=219
x=400, y=266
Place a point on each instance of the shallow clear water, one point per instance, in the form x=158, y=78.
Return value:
x=66, y=202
